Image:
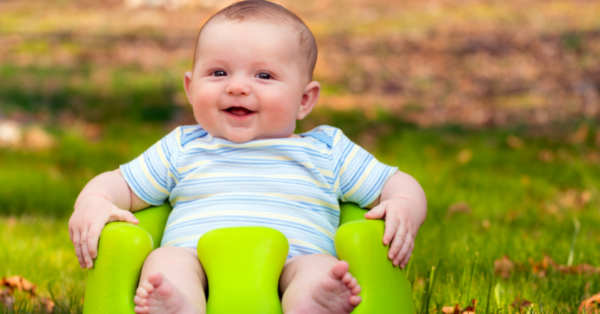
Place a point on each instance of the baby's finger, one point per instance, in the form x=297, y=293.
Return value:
x=404, y=262
x=123, y=215
x=77, y=245
x=376, y=212
x=84, y=248
x=399, y=236
x=405, y=247
x=391, y=228
x=93, y=237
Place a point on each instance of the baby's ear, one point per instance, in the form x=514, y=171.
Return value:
x=187, y=85
x=309, y=99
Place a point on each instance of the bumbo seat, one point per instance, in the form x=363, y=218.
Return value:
x=246, y=285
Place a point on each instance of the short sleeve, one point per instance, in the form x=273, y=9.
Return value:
x=359, y=177
x=152, y=175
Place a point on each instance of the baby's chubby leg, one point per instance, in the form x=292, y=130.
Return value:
x=172, y=281
x=318, y=283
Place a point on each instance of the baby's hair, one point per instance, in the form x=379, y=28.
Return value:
x=262, y=10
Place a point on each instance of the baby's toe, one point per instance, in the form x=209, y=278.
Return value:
x=347, y=278
x=340, y=269
x=356, y=290
x=140, y=301
x=155, y=279
x=141, y=292
x=141, y=310
x=352, y=283
x=354, y=300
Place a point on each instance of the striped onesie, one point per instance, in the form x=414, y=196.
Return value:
x=289, y=184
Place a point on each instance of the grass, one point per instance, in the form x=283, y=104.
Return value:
x=527, y=200
x=510, y=192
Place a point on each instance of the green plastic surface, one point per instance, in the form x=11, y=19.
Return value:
x=122, y=249
x=243, y=265
x=385, y=289
x=255, y=254
x=351, y=212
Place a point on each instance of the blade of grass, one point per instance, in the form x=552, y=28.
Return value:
x=487, y=305
x=471, y=279
x=576, y=224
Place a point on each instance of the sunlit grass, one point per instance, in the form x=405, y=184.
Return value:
x=38, y=249
x=510, y=193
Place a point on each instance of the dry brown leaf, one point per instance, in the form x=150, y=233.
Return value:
x=591, y=305
x=514, y=142
x=19, y=283
x=471, y=308
x=47, y=304
x=581, y=269
x=519, y=303
x=460, y=207
x=37, y=138
x=451, y=309
x=546, y=155
x=581, y=134
x=503, y=267
x=464, y=156
x=540, y=268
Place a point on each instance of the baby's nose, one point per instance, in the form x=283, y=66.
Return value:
x=238, y=87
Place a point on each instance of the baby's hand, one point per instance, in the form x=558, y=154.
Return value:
x=400, y=228
x=87, y=222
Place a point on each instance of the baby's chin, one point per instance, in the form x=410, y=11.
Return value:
x=244, y=138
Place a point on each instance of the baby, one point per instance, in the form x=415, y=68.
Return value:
x=242, y=165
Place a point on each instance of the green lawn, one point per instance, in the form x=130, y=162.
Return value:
x=518, y=206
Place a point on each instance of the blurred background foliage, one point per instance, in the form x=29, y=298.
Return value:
x=492, y=105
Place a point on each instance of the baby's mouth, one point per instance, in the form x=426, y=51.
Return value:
x=239, y=111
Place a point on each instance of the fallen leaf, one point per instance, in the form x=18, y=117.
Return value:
x=459, y=207
x=590, y=305
x=546, y=155
x=540, y=268
x=38, y=139
x=451, y=309
x=514, y=142
x=18, y=283
x=585, y=197
x=519, y=303
x=471, y=308
x=581, y=134
x=503, y=267
x=464, y=156
x=47, y=304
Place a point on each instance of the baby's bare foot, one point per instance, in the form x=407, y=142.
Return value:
x=156, y=295
x=336, y=293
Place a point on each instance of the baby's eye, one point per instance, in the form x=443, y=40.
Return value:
x=264, y=76
x=219, y=73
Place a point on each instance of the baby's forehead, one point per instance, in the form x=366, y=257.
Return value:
x=218, y=24
x=221, y=26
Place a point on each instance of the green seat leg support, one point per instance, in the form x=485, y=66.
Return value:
x=385, y=289
x=112, y=282
x=122, y=249
x=243, y=265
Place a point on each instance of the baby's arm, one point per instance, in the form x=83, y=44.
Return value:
x=403, y=206
x=106, y=198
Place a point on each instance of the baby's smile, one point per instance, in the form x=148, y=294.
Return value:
x=240, y=111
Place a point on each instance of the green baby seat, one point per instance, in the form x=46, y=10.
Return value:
x=246, y=285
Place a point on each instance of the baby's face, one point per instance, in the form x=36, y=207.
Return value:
x=249, y=81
